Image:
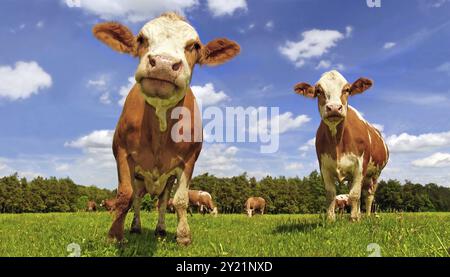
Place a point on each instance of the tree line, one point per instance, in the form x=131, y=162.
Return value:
x=283, y=195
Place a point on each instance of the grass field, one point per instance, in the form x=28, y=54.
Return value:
x=408, y=234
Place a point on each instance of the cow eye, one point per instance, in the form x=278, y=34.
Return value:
x=193, y=46
x=140, y=40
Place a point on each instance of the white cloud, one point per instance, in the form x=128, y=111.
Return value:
x=105, y=98
x=348, y=31
x=62, y=167
x=389, y=45
x=378, y=126
x=285, y=122
x=308, y=145
x=207, y=95
x=124, y=90
x=438, y=3
x=218, y=159
x=99, y=139
x=226, y=7
x=101, y=85
x=411, y=143
x=314, y=43
x=294, y=166
x=40, y=24
x=445, y=68
x=436, y=160
x=323, y=64
x=133, y=11
x=269, y=25
x=22, y=80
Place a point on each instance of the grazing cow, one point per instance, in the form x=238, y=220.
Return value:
x=348, y=147
x=159, y=134
x=169, y=205
x=342, y=202
x=108, y=204
x=254, y=204
x=91, y=206
x=203, y=200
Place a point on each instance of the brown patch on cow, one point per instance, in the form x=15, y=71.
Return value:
x=201, y=199
x=141, y=45
x=219, y=51
x=91, y=206
x=305, y=89
x=360, y=85
x=116, y=36
x=254, y=204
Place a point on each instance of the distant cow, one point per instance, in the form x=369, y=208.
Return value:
x=202, y=200
x=91, y=206
x=158, y=137
x=254, y=204
x=342, y=202
x=170, y=207
x=348, y=147
x=108, y=204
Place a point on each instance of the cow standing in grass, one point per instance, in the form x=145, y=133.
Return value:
x=108, y=204
x=159, y=134
x=202, y=200
x=348, y=147
x=254, y=204
x=91, y=206
x=342, y=202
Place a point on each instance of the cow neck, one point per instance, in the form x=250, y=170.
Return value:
x=337, y=137
x=162, y=105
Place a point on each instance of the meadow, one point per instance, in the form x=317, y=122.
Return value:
x=228, y=235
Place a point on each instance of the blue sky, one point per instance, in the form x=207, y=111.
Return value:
x=60, y=88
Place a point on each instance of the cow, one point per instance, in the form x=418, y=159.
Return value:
x=169, y=205
x=108, y=204
x=348, y=147
x=203, y=200
x=342, y=202
x=91, y=206
x=254, y=204
x=158, y=137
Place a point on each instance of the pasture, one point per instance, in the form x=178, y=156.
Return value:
x=401, y=234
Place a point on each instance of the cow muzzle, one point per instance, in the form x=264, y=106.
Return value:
x=161, y=77
x=334, y=112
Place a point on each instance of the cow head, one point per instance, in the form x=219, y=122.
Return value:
x=332, y=92
x=168, y=48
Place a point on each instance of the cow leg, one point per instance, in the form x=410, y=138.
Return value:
x=139, y=192
x=355, y=196
x=371, y=195
x=181, y=202
x=125, y=168
x=330, y=188
x=163, y=199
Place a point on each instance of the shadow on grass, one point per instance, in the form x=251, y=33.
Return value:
x=144, y=244
x=298, y=227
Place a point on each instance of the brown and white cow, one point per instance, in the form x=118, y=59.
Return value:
x=91, y=206
x=150, y=155
x=202, y=200
x=342, y=202
x=169, y=207
x=348, y=147
x=254, y=204
x=108, y=204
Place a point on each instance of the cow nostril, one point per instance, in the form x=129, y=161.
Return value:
x=176, y=66
x=152, y=61
x=340, y=108
x=328, y=108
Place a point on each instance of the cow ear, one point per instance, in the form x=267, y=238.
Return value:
x=116, y=36
x=219, y=51
x=360, y=85
x=305, y=89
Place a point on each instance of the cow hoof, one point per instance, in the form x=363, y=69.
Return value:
x=115, y=236
x=136, y=230
x=160, y=233
x=184, y=241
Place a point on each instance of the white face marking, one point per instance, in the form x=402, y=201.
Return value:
x=169, y=37
x=332, y=83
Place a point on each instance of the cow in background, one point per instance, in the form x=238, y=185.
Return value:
x=91, y=206
x=348, y=147
x=159, y=134
x=108, y=204
x=254, y=204
x=202, y=200
x=342, y=202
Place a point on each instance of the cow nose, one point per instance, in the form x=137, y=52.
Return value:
x=152, y=61
x=334, y=108
x=176, y=66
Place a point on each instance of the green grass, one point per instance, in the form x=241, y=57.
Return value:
x=407, y=234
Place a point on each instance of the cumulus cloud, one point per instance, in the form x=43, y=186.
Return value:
x=133, y=11
x=23, y=80
x=445, y=68
x=124, y=90
x=269, y=25
x=314, y=44
x=389, y=45
x=99, y=139
x=294, y=166
x=436, y=160
x=283, y=122
x=218, y=159
x=226, y=7
x=207, y=95
x=308, y=145
x=101, y=85
x=412, y=143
